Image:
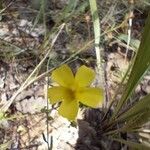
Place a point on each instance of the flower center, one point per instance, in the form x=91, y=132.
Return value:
x=72, y=94
x=74, y=89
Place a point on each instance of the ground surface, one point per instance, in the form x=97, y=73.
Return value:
x=21, y=52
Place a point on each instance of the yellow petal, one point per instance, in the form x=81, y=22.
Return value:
x=57, y=94
x=84, y=76
x=69, y=109
x=63, y=76
x=92, y=97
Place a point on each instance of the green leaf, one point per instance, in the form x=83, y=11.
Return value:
x=141, y=65
x=1, y=116
x=82, y=7
x=68, y=11
x=96, y=22
x=138, y=146
x=133, y=43
x=70, y=7
x=97, y=34
x=142, y=106
x=40, y=18
x=137, y=121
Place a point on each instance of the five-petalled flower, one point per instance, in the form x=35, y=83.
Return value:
x=74, y=89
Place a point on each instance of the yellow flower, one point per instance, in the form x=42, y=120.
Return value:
x=74, y=89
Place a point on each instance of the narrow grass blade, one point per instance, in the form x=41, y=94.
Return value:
x=67, y=11
x=81, y=8
x=96, y=21
x=141, y=65
x=135, y=43
x=137, y=121
x=37, y=19
x=97, y=33
x=41, y=15
x=140, y=107
x=70, y=7
x=138, y=146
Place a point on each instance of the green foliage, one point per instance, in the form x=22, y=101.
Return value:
x=133, y=43
x=41, y=5
x=97, y=34
x=1, y=116
x=141, y=65
x=71, y=10
x=142, y=106
x=138, y=113
x=96, y=22
x=136, y=146
x=135, y=116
